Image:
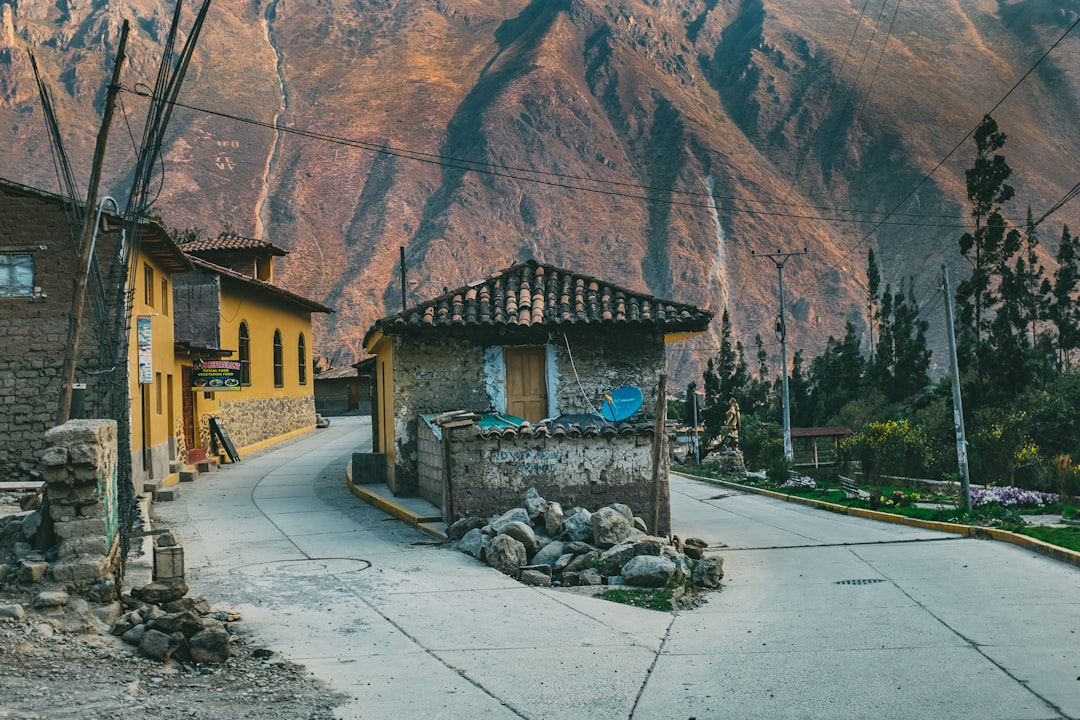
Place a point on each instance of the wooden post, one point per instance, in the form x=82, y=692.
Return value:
x=658, y=450
x=78, y=293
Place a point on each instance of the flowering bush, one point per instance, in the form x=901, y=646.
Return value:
x=799, y=483
x=894, y=447
x=1012, y=497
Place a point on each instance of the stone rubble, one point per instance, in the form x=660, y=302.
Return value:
x=540, y=545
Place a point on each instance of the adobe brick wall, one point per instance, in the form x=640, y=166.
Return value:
x=490, y=476
x=33, y=334
x=434, y=375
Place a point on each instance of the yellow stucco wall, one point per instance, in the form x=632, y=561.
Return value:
x=261, y=411
x=155, y=405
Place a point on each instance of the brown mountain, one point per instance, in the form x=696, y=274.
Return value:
x=656, y=144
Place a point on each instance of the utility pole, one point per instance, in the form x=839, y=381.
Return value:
x=697, y=440
x=90, y=219
x=779, y=259
x=958, y=405
x=404, y=285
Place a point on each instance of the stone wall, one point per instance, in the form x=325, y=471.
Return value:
x=253, y=421
x=434, y=375
x=489, y=475
x=33, y=331
x=79, y=465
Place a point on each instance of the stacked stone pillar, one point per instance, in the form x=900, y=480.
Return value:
x=80, y=462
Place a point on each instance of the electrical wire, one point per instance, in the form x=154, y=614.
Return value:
x=951, y=152
x=572, y=182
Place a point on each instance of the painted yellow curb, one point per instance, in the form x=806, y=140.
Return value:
x=1029, y=543
x=392, y=508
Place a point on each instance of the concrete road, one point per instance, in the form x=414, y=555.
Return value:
x=822, y=616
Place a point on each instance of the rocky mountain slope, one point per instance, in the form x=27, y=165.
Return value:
x=663, y=146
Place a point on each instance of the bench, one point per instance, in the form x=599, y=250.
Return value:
x=851, y=490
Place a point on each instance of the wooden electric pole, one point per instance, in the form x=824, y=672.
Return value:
x=78, y=293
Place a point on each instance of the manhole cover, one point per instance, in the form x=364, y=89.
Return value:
x=306, y=568
x=860, y=581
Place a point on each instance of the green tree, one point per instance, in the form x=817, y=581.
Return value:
x=801, y=407
x=836, y=376
x=1061, y=310
x=901, y=362
x=989, y=247
x=725, y=377
x=873, y=298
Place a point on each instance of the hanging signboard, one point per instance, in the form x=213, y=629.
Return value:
x=216, y=375
x=146, y=350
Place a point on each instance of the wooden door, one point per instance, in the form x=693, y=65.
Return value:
x=526, y=383
x=188, y=406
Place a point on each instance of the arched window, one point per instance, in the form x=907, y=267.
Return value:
x=301, y=356
x=244, y=351
x=279, y=368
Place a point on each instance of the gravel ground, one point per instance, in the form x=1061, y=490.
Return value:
x=51, y=667
x=46, y=673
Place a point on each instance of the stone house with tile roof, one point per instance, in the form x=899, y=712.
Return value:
x=530, y=351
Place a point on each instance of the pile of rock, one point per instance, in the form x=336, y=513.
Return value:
x=541, y=545
x=164, y=624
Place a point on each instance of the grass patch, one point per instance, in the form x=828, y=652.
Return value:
x=1067, y=537
x=651, y=599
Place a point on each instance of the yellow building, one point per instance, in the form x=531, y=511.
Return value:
x=153, y=384
x=229, y=309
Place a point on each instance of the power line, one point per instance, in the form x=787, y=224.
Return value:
x=564, y=181
x=951, y=152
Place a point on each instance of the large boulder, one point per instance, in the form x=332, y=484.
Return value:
x=157, y=645
x=648, y=571
x=610, y=527
x=581, y=562
x=210, y=645
x=709, y=572
x=505, y=554
x=473, y=543
x=553, y=519
x=534, y=504
x=458, y=528
x=512, y=515
x=623, y=510
x=578, y=524
x=549, y=554
x=522, y=533
x=162, y=591
x=613, y=559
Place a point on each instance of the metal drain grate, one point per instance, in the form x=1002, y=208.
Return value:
x=860, y=581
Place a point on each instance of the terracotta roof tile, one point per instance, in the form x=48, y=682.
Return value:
x=230, y=241
x=542, y=296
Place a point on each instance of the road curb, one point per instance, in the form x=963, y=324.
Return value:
x=423, y=524
x=1029, y=543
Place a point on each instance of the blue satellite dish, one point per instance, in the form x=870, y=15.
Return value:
x=621, y=404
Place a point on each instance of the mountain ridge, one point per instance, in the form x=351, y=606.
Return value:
x=661, y=146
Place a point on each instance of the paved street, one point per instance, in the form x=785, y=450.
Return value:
x=821, y=616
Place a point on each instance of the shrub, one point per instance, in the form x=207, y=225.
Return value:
x=894, y=447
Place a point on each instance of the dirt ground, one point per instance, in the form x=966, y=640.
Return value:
x=49, y=671
x=46, y=673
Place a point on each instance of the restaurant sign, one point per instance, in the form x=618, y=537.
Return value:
x=216, y=375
